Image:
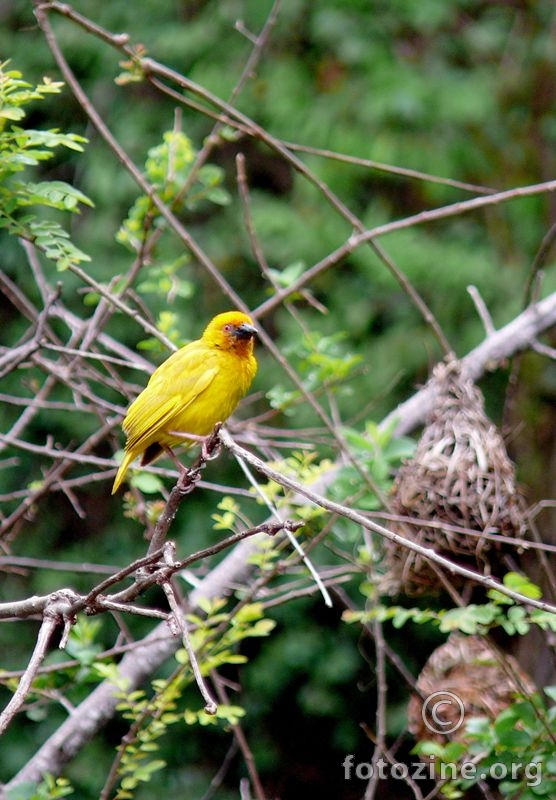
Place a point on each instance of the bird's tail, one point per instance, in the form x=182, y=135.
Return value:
x=120, y=475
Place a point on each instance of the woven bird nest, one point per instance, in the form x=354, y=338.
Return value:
x=460, y=481
x=463, y=678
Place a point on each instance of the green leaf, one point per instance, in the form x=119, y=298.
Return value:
x=517, y=617
x=12, y=112
x=522, y=584
x=82, y=643
x=550, y=691
x=261, y=628
x=427, y=747
x=219, y=196
x=248, y=613
x=544, y=619
x=230, y=714
x=453, y=751
x=145, y=771
x=147, y=482
x=56, y=194
x=468, y=619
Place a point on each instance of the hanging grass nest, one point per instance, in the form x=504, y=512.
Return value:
x=459, y=484
x=469, y=677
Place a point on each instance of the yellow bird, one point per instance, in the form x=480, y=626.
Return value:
x=198, y=386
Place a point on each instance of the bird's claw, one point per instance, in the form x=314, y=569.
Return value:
x=211, y=445
x=188, y=479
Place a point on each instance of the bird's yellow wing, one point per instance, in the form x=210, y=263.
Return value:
x=176, y=384
x=162, y=400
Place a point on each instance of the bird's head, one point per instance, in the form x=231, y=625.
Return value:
x=231, y=330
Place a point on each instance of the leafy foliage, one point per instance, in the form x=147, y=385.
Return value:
x=517, y=749
x=470, y=619
x=150, y=717
x=22, y=148
x=49, y=789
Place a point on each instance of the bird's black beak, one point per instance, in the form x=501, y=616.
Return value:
x=245, y=331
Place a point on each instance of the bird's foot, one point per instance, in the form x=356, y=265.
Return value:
x=190, y=476
x=169, y=452
x=211, y=445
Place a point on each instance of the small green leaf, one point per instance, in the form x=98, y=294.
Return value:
x=522, y=584
x=550, y=691
x=12, y=112
x=468, y=619
x=262, y=628
x=147, y=482
x=56, y=194
x=248, y=613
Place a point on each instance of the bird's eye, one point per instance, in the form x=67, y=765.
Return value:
x=228, y=328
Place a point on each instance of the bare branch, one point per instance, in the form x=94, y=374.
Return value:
x=355, y=516
x=56, y=610
x=516, y=336
x=391, y=169
x=180, y=623
x=482, y=310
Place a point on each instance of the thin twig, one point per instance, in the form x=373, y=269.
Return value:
x=393, y=762
x=482, y=310
x=55, y=612
x=291, y=538
x=218, y=778
x=211, y=707
x=381, y=697
x=391, y=169
x=241, y=740
x=355, y=516
x=538, y=263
